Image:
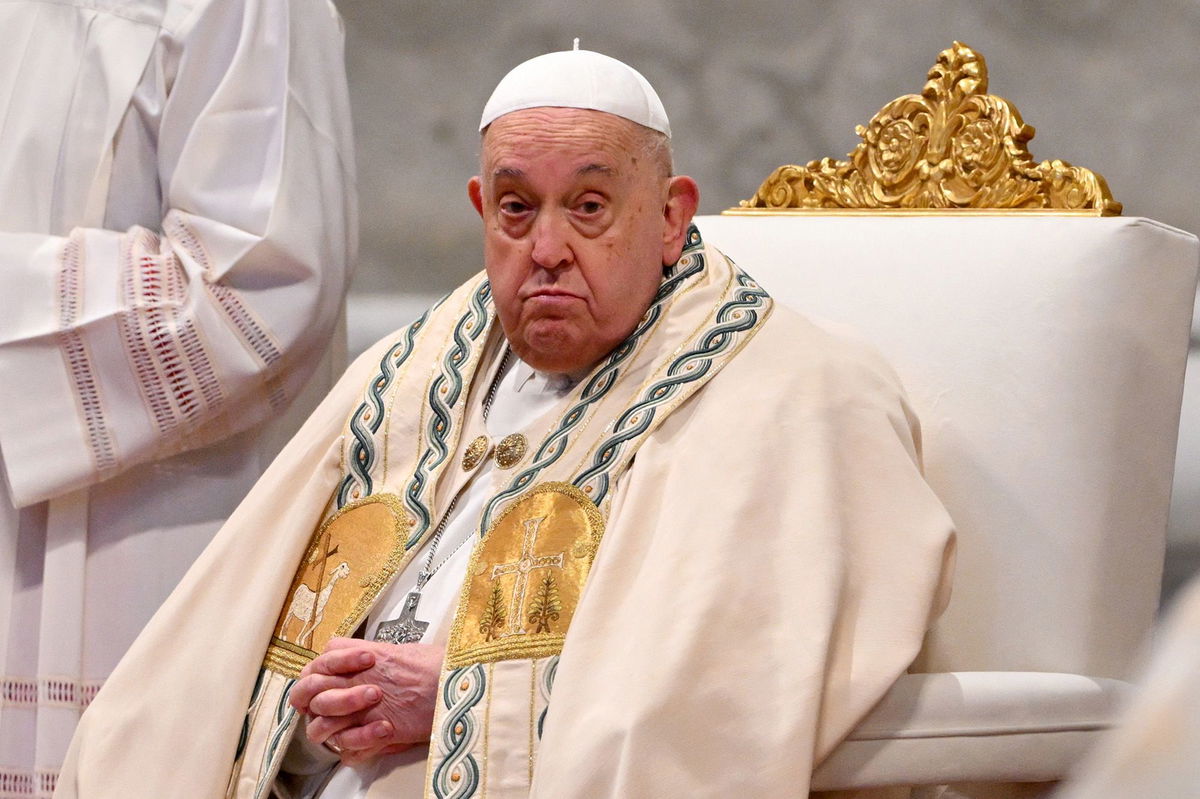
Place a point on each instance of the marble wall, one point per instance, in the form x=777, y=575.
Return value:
x=1109, y=84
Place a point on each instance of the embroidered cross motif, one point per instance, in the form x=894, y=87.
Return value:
x=526, y=576
x=521, y=568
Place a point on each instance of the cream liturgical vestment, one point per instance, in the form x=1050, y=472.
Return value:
x=714, y=554
x=176, y=227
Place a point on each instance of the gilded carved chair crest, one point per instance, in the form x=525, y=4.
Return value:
x=951, y=147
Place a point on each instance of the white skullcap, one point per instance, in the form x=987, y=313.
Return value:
x=578, y=79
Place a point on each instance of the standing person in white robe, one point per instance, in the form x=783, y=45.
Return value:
x=615, y=524
x=177, y=224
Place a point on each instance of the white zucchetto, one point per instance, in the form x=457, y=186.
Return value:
x=578, y=79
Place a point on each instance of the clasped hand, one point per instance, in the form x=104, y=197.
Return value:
x=367, y=698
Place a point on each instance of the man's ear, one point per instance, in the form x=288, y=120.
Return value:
x=475, y=192
x=683, y=197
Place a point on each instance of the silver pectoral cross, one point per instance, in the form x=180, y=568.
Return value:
x=405, y=628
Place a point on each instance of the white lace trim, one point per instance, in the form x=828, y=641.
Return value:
x=173, y=367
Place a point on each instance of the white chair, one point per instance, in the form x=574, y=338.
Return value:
x=1044, y=352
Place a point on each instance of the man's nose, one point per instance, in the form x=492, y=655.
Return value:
x=552, y=241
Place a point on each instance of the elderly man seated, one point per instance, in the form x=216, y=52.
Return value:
x=605, y=522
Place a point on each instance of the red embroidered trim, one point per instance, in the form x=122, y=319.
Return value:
x=49, y=691
x=153, y=391
x=21, y=784
x=253, y=331
x=172, y=365
x=79, y=365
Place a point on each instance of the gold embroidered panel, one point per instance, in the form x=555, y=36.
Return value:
x=952, y=147
x=351, y=559
x=525, y=578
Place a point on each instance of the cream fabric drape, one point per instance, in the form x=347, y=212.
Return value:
x=177, y=221
x=771, y=560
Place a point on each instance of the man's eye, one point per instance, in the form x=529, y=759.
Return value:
x=513, y=207
x=590, y=207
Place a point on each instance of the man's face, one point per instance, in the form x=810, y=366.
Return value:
x=579, y=219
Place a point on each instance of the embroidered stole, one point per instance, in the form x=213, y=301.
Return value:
x=538, y=534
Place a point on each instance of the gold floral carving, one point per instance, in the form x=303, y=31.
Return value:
x=953, y=146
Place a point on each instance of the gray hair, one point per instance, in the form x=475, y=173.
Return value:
x=657, y=147
x=654, y=146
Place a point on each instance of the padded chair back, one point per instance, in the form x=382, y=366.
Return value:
x=1044, y=356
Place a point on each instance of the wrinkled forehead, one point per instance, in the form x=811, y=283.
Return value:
x=569, y=137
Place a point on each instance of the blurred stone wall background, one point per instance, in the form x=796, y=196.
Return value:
x=750, y=84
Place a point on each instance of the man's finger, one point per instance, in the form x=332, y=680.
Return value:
x=342, y=642
x=344, y=701
x=394, y=749
x=320, y=728
x=340, y=661
x=306, y=688
x=370, y=736
x=352, y=757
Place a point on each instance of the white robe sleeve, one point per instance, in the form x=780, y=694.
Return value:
x=121, y=346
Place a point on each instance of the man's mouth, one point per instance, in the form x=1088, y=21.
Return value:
x=552, y=295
